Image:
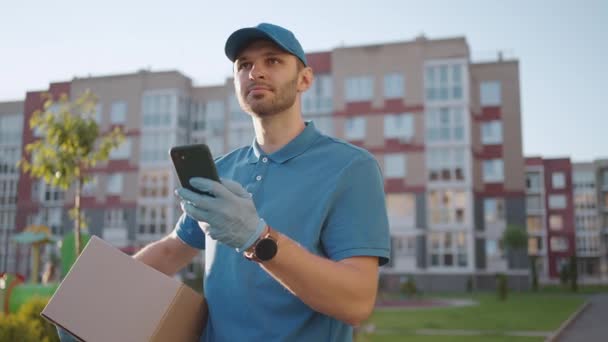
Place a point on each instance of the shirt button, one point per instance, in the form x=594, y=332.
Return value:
x=265, y=160
x=259, y=178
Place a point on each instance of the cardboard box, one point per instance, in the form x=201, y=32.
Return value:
x=109, y=296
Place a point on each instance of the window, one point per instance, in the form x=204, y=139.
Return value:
x=98, y=113
x=240, y=136
x=556, y=222
x=604, y=179
x=559, y=244
x=123, y=151
x=159, y=109
x=404, y=245
x=359, y=88
x=11, y=128
x=494, y=249
x=118, y=113
x=154, y=145
x=319, y=97
x=493, y=171
x=325, y=124
x=236, y=112
x=533, y=181
x=535, y=225
x=154, y=184
x=494, y=210
x=558, y=180
x=394, y=85
x=395, y=165
x=535, y=245
x=583, y=180
x=9, y=156
x=448, y=249
x=533, y=203
x=399, y=126
x=355, y=128
x=491, y=132
x=557, y=201
x=490, y=93
x=114, y=186
x=90, y=188
x=115, y=218
x=445, y=124
x=443, y=82
x=447, y=207
x=401, y=210
x=446, y=164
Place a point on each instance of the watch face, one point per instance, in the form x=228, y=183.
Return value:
x=266, y=249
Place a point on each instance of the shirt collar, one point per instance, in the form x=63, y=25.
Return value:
x=295, y=147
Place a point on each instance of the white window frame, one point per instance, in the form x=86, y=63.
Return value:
x=493, y=171
x=445, y=124
x=498, y=206
x=399, y=126
x=491, y=132
x=490, y=93
x=558, y=201
x=394, y=85
x=558, y=180
x=114, y=189
x=122, y=151
x=358, y=88
x=118, y=112
x=395, y=165
x=354, y=128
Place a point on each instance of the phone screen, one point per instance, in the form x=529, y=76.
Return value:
x=193, y=161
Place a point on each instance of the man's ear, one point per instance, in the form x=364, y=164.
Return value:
x=305, y=79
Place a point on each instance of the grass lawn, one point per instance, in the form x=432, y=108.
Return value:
x=427, y=338
x=520, y=312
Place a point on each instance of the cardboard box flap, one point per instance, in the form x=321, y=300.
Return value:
x=185, y=319
x=109, y=296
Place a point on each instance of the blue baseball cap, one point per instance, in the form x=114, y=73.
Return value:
x=281, y=36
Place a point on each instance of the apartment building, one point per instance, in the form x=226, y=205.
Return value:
x=11, y=122
x=590, y=192
x=550, y=215
x=445, y=130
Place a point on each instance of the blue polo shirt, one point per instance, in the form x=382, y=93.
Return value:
x=320, y=191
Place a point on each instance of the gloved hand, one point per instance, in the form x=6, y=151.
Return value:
x=230, y=216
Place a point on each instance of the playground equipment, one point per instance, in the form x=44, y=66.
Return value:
x=14, y=291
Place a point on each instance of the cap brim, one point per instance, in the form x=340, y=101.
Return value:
x=241, y=38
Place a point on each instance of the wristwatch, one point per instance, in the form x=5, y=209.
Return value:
x=264, y=248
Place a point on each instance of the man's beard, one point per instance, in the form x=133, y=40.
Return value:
x=285, y=97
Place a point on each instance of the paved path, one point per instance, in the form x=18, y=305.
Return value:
x=592, y=324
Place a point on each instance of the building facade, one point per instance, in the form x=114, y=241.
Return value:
x=446, y=132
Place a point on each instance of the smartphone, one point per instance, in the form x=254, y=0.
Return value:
x=193, y=161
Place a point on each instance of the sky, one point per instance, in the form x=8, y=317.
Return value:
x=561, y=45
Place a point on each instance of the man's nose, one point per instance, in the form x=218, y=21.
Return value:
x=256, y=71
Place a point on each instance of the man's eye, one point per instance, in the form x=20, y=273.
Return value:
x=244, y=65
x=273, y=61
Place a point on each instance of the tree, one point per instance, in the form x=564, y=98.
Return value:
x=514, y=238
x=70, y=142
x=534, y=272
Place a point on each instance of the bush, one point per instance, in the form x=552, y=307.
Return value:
x=27, y=324
x=15, y=328
x=408, y=288
x=564, y=274
x=42, y=329
x=502, y=286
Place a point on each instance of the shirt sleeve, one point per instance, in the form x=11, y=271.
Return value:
x=189, y=232
x=357, y=223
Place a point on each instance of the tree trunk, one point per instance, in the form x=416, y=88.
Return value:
x=77, y=244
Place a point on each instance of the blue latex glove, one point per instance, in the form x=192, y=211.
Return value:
x=230, y=217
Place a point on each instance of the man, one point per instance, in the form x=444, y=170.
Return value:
x=296, y=231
